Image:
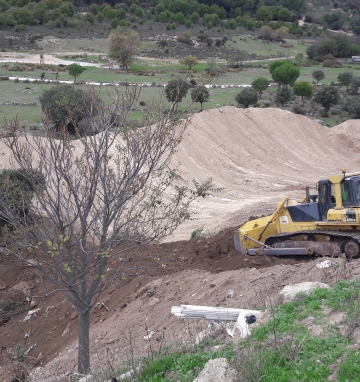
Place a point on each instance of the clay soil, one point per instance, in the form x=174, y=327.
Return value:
x=256, y=157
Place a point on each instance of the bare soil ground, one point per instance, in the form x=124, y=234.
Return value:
x=257, y=156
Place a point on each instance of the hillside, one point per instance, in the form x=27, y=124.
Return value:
x=257, y=156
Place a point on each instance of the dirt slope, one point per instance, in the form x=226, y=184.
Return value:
x=258, y=156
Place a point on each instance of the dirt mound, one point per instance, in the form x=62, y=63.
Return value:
x=259, y=156
x=346, y=138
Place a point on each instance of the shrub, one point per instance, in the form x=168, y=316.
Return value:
x=247, y=97
x=299, y=110
x=283, y=95
x=20, y=28
x=17, y=189
x=331, y=63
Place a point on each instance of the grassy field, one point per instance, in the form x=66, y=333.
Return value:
x=147, y=71
x=259, y=47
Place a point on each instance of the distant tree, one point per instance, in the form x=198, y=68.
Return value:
x=303, y=89
x=283, y=95
x=299, y=58
x=194, y=18
x=163, y=43
x=283, y=72
x=42, y=76
x=247, y=97
x=264, y=13
x=335, y=20
x=75, y=70
x=345, y=79
x=94, y=9
x=190, y=61
x=355, y=84
x=284, y=14
x=200, y=94
x=90, y=18
x=266, y=33
x=352, y=106
x=209, y=42
x=212, y=67
x=203, y=37
x=176, y=90
x=240, y=56
x=327, y=97
x=139, y=13
x=318, y=75
x=65, y=106
x=123, y=44
x=282, y=31
x=185, y=38
x=260, y=84
x=114, y=22
x=17, y=191
x=180, y=18
x=133, y=8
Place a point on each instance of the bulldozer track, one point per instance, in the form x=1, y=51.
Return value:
x=346, y=235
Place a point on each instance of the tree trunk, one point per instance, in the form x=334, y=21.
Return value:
x=84, y=351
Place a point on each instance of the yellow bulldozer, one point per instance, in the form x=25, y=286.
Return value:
x=325, y=224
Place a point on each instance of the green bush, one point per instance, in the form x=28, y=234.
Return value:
x=20, y=27
x=299, y=110
x=17, y=189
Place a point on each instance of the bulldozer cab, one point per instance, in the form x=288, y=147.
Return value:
x=349, y=194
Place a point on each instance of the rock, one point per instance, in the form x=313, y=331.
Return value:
x=217, y=370
x=74, y=315
x=289, y=292
x=33, y=303
x=153, y=301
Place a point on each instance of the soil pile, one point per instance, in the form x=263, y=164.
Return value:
x=259, y=156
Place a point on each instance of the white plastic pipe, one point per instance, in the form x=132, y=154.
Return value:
x=210, y=313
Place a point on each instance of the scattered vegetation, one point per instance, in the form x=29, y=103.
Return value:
x=284, y=348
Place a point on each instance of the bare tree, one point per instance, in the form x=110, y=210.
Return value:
x=99, y=198
x=240, y=56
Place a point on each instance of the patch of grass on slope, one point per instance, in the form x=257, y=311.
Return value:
x=283, y=349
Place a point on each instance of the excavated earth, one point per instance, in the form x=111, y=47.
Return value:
x=255, y=157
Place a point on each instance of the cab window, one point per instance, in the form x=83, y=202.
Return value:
x=332, y=194
x=358, y=192
x=345, y=192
